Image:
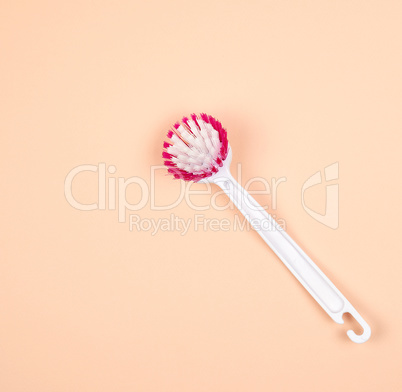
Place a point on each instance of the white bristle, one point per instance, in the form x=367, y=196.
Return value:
x=195, y=147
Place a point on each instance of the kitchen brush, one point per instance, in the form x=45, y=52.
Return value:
x=198, y=150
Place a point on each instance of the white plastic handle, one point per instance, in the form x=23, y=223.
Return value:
x=302, y=267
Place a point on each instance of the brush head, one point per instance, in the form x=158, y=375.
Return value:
x=196, y=148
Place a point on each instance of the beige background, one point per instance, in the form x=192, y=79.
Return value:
x=87, y=305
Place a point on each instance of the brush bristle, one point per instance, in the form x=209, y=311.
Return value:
x=197, y=147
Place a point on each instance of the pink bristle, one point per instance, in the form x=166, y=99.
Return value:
x=176, y=125
x=204, y=117
x=218, y=125
x=185, y=121
x=195, y=118
x=221, y=132
x=225, y=145
x=167, y=145
x=181, y=174
x=197, y=177
x=177, y=171
x=170, y=164
x=212, y=121
x=170, y=134
x=167, y=155
x=223, y=153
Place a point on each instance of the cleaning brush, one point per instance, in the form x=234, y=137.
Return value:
x=198, y=150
